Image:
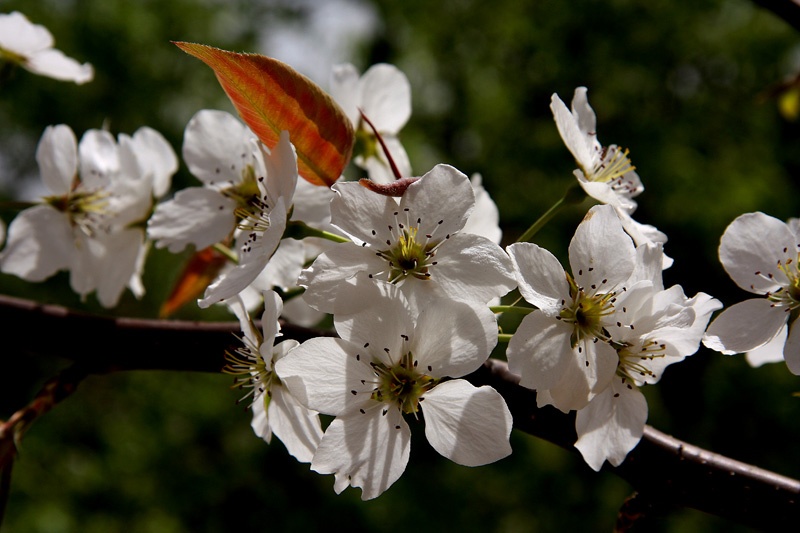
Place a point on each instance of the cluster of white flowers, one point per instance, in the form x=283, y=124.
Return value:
x=410, y=279
x=93, y=223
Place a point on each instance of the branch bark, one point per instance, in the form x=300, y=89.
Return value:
x=665, y=471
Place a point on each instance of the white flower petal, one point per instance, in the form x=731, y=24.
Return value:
x=472, y=268
x=751, y=249
x=57, y=156
x=361, y=213
x=55, y=64
x=745, y=326
x=298, y=428
x=583, y=112
x=323, y=279
x=367, y=450
x=21, y=36
x=33, y=42
x=375, y=314
x=273, y=305
x=603, y=192
x=540, y=276
x=344, y=89
x=453, y=338
x=468, y=425
x=283, y=267
x=540, y=350
x=791, y=352
x=298, y=312
x=237, y=307
x=611, y=425
x=384, y=94
x=99, y=158
x=261, y=423
x=601, y=253
x=216, y=147
x=312, y=204
x=322, y=372
x=443, y=199
x=85, y=263
x=131, y=187
x=195, y=215
x=39, y=244
x=580, y=382
x=253, y=257
x=485, y=218
x=772, y=352
x=568, y=127
x=157, y=157
x=281, y=165
x=118, y=264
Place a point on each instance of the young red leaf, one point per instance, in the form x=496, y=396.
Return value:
x=202, y=268
x=271, y=96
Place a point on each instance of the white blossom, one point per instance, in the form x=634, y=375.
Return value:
x=274, y=408
x=760, y=254
x=222, y=153
x=663, y=327
x=561, y=349
x=262, y=225
x=416, y=244
x=604, y=172
x=384, y=95
x=485, y=218
x=91, y=224
x=391, y=361
x=31, y=46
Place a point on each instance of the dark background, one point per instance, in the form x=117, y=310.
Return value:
x=676, y=82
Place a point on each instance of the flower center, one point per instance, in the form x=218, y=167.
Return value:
x=401, y=384
x=253, y=209
x=250, y=371
x=409, y=256
x=789, y=294
x=587, y=313
x=612, y=164
x=86, y=209
x=633, y=361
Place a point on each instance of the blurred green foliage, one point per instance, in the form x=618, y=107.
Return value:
x=676, y=82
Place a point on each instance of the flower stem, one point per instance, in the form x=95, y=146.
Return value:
x=298, y=230
x=227, y=252
x=574, y=195
x=504, y=337
x=386, y=152
x=511, y=309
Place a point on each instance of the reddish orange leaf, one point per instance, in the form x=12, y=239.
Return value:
x=271, y=96
x=198, y=274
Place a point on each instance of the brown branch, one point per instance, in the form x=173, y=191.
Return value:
x=665, y=471
x=106, y=344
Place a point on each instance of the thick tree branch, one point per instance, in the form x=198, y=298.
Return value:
x=665, y=471
x=108, y=344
